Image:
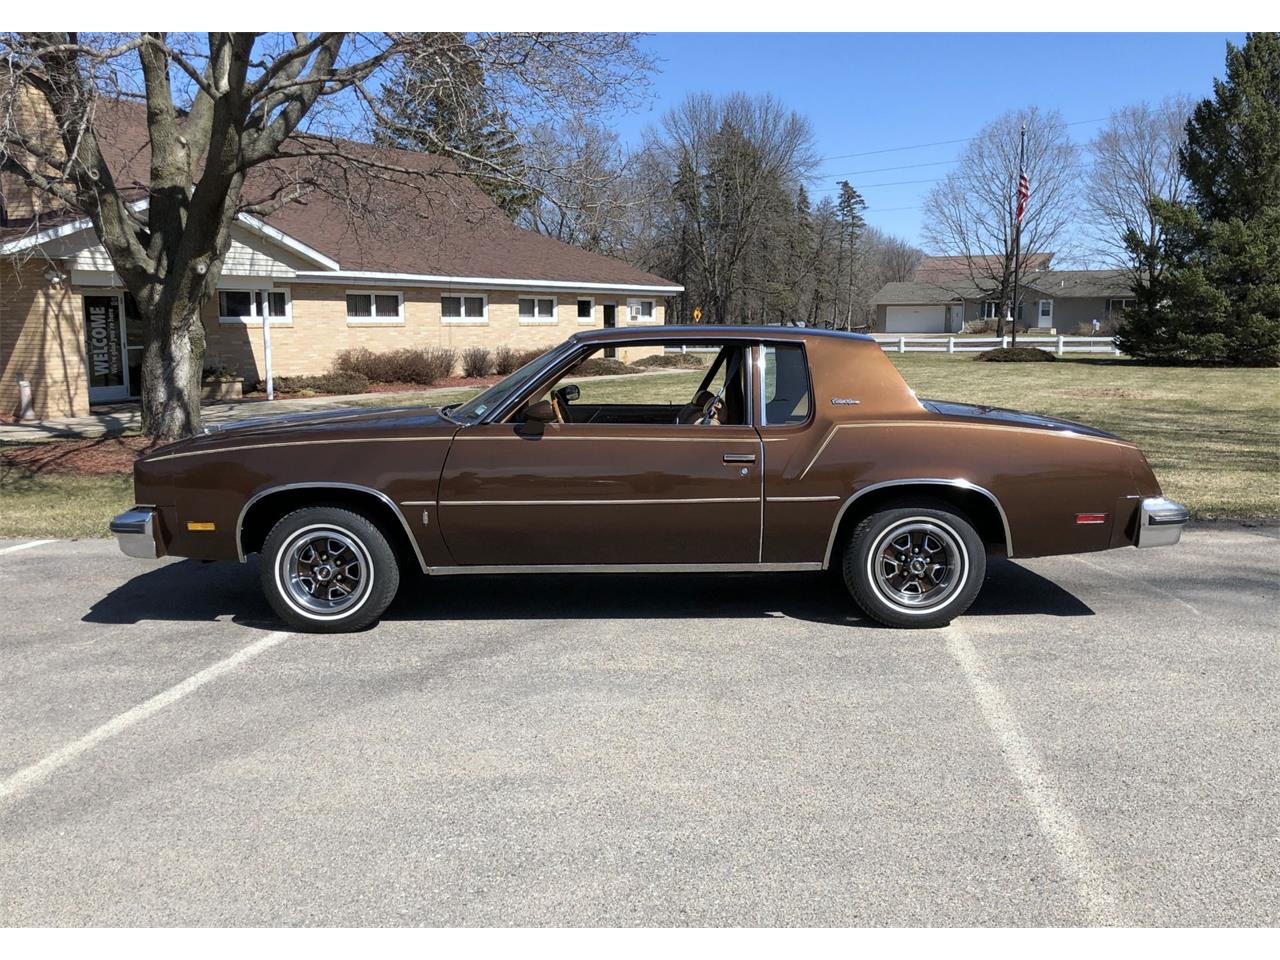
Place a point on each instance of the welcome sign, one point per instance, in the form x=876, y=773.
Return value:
x=102, y=341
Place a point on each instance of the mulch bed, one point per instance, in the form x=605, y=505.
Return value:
x=101, y=456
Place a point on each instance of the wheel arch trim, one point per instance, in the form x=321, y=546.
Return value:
x=325, y=485
x=954, y=483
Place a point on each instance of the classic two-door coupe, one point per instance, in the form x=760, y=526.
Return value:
x=793, y=449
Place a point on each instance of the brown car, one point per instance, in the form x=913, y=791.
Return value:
x=789, y=449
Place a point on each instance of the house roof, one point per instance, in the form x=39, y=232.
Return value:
x=414, y=214
x=947, y=270
x=1057, y=284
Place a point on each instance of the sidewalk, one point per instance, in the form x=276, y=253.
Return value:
x=125, y=419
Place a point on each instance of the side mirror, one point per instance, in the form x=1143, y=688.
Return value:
x=569, y=392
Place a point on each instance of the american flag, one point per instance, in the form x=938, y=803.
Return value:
x=1024, y=194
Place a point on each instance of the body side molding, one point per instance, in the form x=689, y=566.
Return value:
x=954, y=483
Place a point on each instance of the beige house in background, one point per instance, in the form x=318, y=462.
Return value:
x=442, y=267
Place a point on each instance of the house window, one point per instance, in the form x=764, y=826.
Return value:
x=250, y=306
x=991, y=310
x=374, y=306
x=640, y=311
x=537, y=309
x=464, y=309
x=586, y=310
x=1119, y=305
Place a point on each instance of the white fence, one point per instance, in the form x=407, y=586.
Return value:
x=936, y=344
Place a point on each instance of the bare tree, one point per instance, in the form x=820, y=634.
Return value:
x=1135, y=161
x=727, y=160
x=971, y=213
x=231, y=111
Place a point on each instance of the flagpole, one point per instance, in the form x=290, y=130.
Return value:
x=1017, y=231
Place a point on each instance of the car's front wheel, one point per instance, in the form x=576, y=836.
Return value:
x=915, y=565
x=328, y=570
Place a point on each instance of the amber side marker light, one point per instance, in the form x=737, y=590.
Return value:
x=195, y=525
x=1091, y=518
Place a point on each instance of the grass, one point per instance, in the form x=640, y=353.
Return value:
x=60, y=505
x=1212, y=435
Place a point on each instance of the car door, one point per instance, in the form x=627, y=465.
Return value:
x=591, y=494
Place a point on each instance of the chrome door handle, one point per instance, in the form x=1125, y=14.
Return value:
x=739, y=458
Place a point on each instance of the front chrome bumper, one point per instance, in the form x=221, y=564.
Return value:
x=1160, y=522
x=135, y=531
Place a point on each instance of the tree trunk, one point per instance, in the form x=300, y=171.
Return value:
x=172, y=369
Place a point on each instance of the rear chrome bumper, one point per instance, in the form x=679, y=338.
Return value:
x=1160, y=522
x=135, y=531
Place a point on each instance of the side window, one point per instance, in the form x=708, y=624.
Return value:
x=787, y=398
x=702, y=387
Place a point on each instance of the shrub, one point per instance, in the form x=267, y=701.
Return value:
x=340, y=381
x=601, y=367
x=477, y=362
x=504, y=360
x=1016, y=355
x=688, y=361
x=980, y=326
x=406, y=365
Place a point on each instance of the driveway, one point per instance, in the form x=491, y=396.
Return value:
x=1095, y=743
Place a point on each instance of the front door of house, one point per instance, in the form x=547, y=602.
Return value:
x=105, y=348
x=1045, y=315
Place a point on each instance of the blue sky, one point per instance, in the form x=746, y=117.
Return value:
x=866, y=92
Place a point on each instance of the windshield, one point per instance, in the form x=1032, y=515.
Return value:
x=473, y=410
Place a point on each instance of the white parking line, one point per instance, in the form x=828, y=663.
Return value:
x=1076, y=856
x=28, y=777
x=25, y=546
x=1140, y=582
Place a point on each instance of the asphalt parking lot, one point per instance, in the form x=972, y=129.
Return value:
x=1098, y=741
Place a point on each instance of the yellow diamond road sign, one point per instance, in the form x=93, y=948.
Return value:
x=697, y=314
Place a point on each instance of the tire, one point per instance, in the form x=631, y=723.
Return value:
x=887, y=566
x=328, y=570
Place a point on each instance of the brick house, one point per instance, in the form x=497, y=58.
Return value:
x=436, y=265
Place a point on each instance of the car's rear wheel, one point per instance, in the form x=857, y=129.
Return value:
x=915, y=565
x=328, y=570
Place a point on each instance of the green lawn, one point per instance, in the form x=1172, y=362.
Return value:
x=1213, y=436
x=60, y=505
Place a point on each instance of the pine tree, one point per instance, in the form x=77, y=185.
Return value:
x=1218, y=299
x=454, y=118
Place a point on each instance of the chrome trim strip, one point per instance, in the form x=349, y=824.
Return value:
x=548, y=436
x=297, y=443
x=325, y=486
x=417, y=503
x=591, y=503
x=627, y=568
x=802, y=499
x=919, y=481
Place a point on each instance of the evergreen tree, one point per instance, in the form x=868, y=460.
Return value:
x=1218, y=299
x=437, y=102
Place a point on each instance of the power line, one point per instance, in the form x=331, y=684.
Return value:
x=905, y=166
x=935, y=143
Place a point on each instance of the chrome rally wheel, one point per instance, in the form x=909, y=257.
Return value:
x=918, y=563
x=325, y=571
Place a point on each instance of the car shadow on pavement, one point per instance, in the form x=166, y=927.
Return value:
x=192, y=590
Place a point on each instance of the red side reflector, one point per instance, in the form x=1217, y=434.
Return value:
x=1091, y=518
